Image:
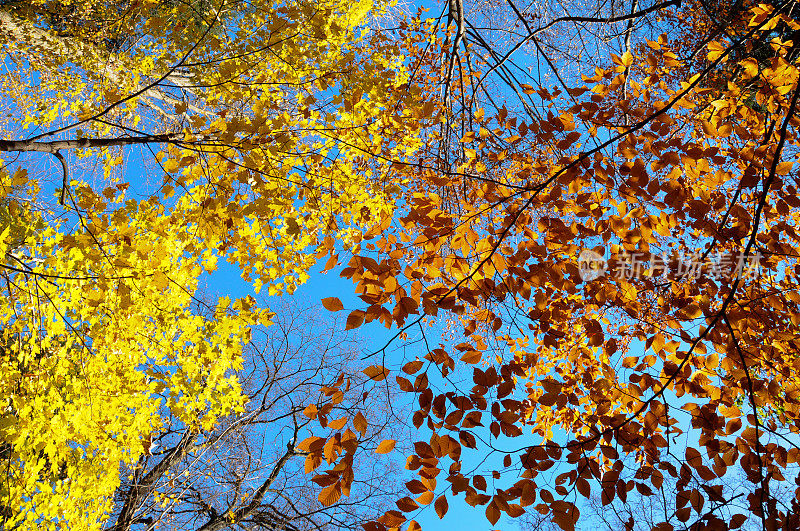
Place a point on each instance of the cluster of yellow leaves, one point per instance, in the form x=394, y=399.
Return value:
x=280, y=118
x=99, y=344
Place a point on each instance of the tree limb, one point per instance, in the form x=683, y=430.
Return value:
x=54, y=146
x=229, y=517
x=139, y=491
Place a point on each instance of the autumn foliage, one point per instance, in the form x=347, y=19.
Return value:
x=182, y=135
x=463, y=202
x=681, y=361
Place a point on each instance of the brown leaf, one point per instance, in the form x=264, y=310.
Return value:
x=404, y=384
x=376, y=372
x=515, y=510
x=360, y=423
x=415, y=486
x=407, y=504
x=412, y=366
x=354, y=320
x=492, y=513
x=441, y=506
x=332, y=304
x=583, y=487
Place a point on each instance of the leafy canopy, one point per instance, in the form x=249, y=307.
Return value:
x=675, y=163
x=182, y=133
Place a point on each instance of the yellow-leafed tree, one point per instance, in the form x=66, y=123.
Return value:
x=141, y=142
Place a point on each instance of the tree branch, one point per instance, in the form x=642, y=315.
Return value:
x=139, y=491
x=17, y=30
x=54, y=146
x=608, y=20
x=230, y=517
x=65, y=179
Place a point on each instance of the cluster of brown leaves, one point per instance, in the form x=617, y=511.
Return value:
x=659, y=154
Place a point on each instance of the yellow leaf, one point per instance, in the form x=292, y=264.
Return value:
x=750, y=67
x=20, y=177
x=715, y=50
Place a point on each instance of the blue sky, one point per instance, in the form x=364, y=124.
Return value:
x=372, y=336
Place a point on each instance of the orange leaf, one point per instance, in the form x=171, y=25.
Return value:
x=385, y=447
x=425, y=498
x=392, y=519
x=330, y=494
x=310, y=411
x=360, y=423
x=376, y=372
x=472, y=356
x=306, y=444
x=332, y=304
x=338, y=424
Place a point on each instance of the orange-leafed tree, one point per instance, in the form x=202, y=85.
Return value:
x=614, y=258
